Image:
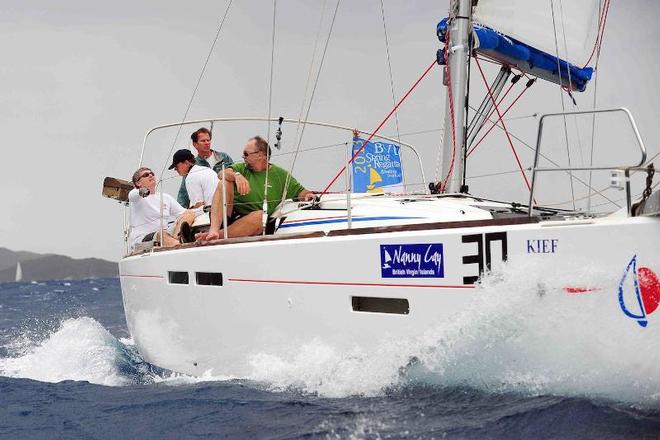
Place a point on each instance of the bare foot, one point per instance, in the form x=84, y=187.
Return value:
x=212, y=236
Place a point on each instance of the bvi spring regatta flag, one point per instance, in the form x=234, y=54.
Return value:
x=377, y=168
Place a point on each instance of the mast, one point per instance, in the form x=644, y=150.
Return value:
x=456, y=74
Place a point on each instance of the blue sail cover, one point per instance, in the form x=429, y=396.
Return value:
x=512, y=52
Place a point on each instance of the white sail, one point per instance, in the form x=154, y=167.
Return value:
x=531, y=21
x=19, y=272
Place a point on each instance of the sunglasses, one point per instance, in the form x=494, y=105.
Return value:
x=246, y=154
x=147, y=174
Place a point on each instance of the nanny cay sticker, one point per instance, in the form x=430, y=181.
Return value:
x=412, y=260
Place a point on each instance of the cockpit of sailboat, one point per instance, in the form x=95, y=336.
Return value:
x=358, y=199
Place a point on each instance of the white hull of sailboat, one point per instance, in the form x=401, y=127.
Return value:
x=278, y=295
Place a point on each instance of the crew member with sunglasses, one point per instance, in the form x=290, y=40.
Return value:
x=245, y=185
x=145, y=212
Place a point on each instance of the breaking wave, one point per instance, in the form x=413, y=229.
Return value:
x=82, y=349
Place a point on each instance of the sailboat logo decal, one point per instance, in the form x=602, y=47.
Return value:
x=646, y=292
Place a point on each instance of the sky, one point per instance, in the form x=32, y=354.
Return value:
x=82, y=82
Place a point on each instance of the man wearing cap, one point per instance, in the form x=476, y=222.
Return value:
x=200, y=181
x=206, y=157
x=245, y=188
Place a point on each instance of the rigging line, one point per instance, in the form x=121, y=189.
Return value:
x=309, y=73
x=552, y=162
x=596, y=192
x=604, y=10
x=389, y=66
x=561, y=95
x=498, y=120
x=533, y=115
x=199, y=80
x=311, y=100
x=506, y=132
x=632, y=173
x=437, y=176
x=270, y=103
x=467, y=112
x=593, y=116
x=373, y=133
x=270, y=81
x=438, y=159
x=450, y=96
x=286, y=153
x=490, y=113
x=632, y=197
x=570, y=81
x=413, y=133
x=494, y=174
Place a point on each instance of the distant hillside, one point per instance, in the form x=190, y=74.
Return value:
x=9, y=258
x=42, y=267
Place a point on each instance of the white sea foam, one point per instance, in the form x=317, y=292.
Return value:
x=522, y=333
x=81, y=349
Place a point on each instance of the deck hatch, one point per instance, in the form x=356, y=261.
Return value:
x=209, y=278
x=178, y=277
x=398, y=306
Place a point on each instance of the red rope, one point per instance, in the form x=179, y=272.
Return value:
x=428, y=69
x=501, y=100
x=450, y=96
x=601, y=31
x=498, y=120
x=506, y=131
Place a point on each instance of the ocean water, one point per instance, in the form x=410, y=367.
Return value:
x=513, y=369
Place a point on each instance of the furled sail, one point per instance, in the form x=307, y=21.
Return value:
x=572, y=33
x=550, y=39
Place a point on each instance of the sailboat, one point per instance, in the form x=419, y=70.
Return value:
x=356, y=270
x=19, y=272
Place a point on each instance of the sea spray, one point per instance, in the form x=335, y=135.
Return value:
x=81, y=349
x=523, y=333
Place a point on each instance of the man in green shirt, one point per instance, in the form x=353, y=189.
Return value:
x=245, y=188
x=206, y=157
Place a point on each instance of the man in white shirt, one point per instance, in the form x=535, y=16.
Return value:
x=145, y=212
x=201, y=181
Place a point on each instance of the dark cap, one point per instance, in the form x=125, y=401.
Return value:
x=181, y=156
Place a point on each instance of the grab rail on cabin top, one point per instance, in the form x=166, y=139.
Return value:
x=625, y=169
x=264, y=119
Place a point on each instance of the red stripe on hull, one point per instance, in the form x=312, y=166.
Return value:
x=338, y=283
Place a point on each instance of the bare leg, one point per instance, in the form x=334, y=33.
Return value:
x=168, y=240
x=246, y=226
x=216, y=205
x=243, y=227
x=188, y=217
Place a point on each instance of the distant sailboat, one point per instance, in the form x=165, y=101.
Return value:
x=19, y=272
